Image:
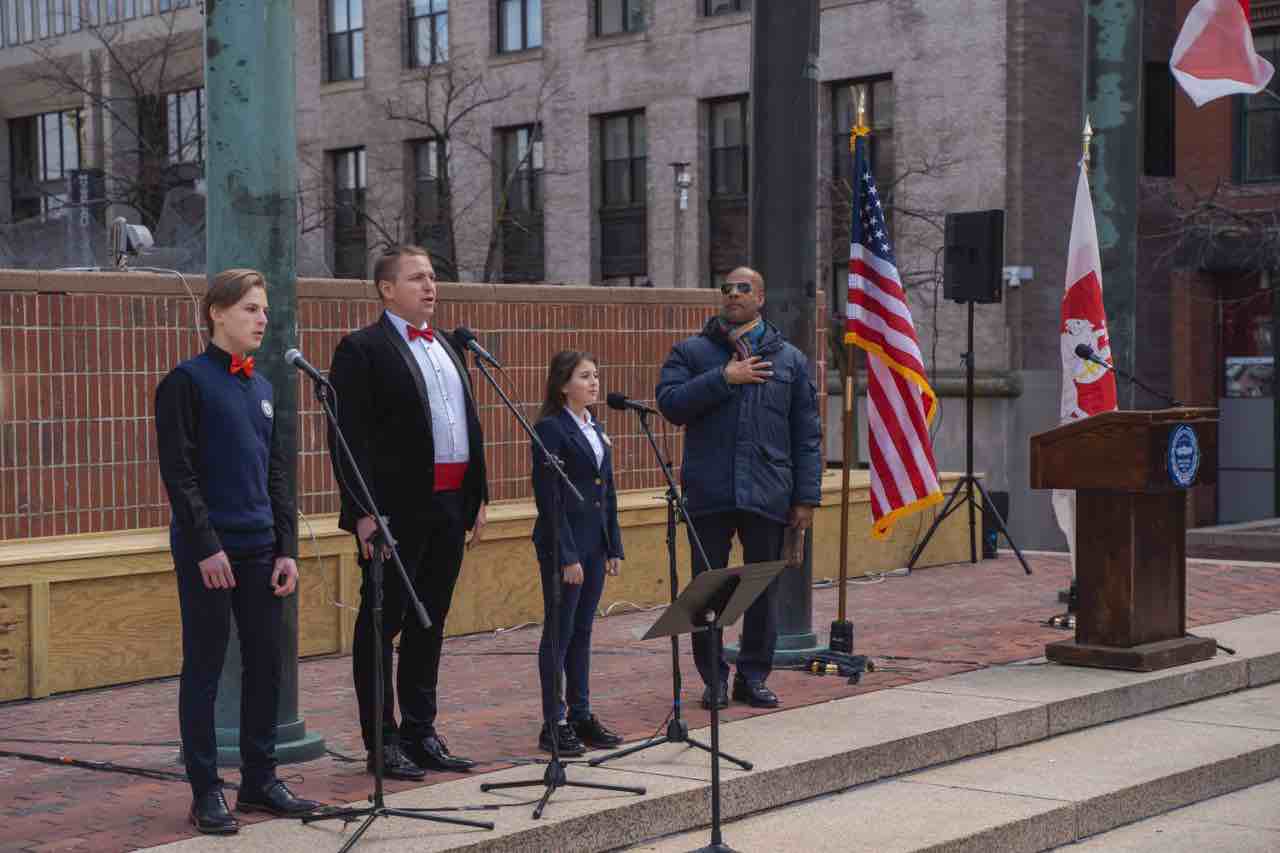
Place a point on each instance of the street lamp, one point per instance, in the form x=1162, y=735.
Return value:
x=680, y=174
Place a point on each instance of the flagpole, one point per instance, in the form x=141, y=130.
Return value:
x=849, y=425
x=842, y=628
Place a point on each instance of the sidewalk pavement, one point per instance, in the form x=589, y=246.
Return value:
x=936, y=622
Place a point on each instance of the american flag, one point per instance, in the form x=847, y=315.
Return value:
x=900, y=403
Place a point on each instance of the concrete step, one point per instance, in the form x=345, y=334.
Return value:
x=810, y=752
x=1038, y=796
x=1246, y=821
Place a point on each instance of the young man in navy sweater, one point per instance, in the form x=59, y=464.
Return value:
x=235, y=541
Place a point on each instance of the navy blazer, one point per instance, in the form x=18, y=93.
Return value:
x=588, y=527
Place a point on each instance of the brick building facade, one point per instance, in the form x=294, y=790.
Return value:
x=573, y=111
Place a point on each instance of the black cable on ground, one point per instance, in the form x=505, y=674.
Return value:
x=104, y=766
x=60, y=742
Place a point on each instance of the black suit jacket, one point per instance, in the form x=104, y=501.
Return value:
x=588, y=527
x=385, y=415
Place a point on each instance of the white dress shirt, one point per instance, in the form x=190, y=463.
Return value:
x=587, y=425
x=445, y=394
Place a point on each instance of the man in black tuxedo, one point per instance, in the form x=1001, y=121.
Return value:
x=406, y=408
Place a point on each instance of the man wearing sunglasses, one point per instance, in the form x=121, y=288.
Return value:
x=752, y=461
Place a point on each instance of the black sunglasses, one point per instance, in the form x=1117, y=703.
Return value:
x=740, y=286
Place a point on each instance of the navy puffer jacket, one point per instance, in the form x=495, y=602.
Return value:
x=752, y=447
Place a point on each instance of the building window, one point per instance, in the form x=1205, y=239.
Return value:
x=185, y=126
x=1157, y=126
x=725, y=7
x=730, y=135
x=350, y=180
x=520, y=203
x=619, y=16
x=44, y=150
x=168, y=5
x=431, y=205
x=1258, y=148
x=844, y=116
x=623, y=211
x=346, y=39
x=428, y=32
x=519, y=25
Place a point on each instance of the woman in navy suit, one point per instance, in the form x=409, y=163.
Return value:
x=590, y=547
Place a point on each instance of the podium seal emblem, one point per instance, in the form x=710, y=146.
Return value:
x=1184, y=456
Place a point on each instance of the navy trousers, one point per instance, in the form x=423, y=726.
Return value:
x=578, y=603
x=761, y=541
x=206, y=629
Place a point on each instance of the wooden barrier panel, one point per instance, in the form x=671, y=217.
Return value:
x=94, y=610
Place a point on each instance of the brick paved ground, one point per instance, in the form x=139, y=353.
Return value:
x=936, y=622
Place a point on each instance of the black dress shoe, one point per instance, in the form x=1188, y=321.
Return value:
x=722, y=697
x=594, y=734
x=433, y=753
x=275, y=799
x=754, y=693
x=570, y=746
x=210, y=815
x=397, y=765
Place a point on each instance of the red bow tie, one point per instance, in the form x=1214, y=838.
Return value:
x=242, y=365
x=428, y=333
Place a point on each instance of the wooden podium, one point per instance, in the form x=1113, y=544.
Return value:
x=1130, y=471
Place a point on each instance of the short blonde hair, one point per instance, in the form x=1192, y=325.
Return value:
x=227, y=288
x=387, y=267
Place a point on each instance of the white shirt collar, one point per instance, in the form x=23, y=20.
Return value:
x=585, y=421
x=401, y=324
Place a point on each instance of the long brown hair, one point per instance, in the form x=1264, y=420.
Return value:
x=559, y=372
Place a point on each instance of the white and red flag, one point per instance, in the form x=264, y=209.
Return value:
x=1214, y=53
x=900, y=403
x=1087, y=387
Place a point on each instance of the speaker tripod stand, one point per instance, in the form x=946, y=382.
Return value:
x=968, y=484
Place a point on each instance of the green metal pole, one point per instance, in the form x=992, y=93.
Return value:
x=252, y=222
x=1113, y=89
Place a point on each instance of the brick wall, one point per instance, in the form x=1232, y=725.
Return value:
x=81, y=354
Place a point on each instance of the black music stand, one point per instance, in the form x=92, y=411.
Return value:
x=714, y=599
x=677, y=727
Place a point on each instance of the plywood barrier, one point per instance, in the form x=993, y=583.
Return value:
x=99, y=609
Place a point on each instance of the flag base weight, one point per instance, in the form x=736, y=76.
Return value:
x=842, y=636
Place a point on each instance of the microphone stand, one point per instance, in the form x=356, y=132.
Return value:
x=1177, y=404
x=677, y=728
x=381, y=539
x=554, y=777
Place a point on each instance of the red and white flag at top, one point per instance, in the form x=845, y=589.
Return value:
x=900, y=403
x=1214, y=53
x=1087, y=387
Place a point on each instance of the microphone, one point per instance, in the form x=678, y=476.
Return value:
x=295, y=358
x=467, y=339
x=622, y=402
x=1086, y=352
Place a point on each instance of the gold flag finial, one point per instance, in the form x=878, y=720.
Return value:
x=860, y=125
x=1085, y=139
